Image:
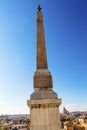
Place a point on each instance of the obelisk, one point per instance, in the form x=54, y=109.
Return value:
x=44, y=102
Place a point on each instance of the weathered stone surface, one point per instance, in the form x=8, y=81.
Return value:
x=43, y=81
x=42, y=72
x=43, y=94
x=44, y=102
x=41, y=49
x=44, y=114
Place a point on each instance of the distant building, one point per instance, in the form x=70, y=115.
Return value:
x=3, y=118
x=65, y=111
x=19, y=127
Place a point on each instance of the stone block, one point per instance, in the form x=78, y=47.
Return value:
x=45, y=114
x=42, y=81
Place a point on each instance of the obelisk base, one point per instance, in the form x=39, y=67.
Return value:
x=44, y=114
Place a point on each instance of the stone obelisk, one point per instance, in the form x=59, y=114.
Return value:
x=44, y=102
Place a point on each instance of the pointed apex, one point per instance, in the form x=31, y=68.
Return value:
x=39, y=8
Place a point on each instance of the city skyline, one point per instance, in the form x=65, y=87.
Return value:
x=65, y=26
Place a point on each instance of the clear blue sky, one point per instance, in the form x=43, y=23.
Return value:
x=65, y=23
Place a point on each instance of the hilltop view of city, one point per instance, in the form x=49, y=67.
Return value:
x=69, y=121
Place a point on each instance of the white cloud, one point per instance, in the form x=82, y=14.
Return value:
x=74, y=107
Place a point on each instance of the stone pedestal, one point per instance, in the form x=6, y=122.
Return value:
x=44, y=114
